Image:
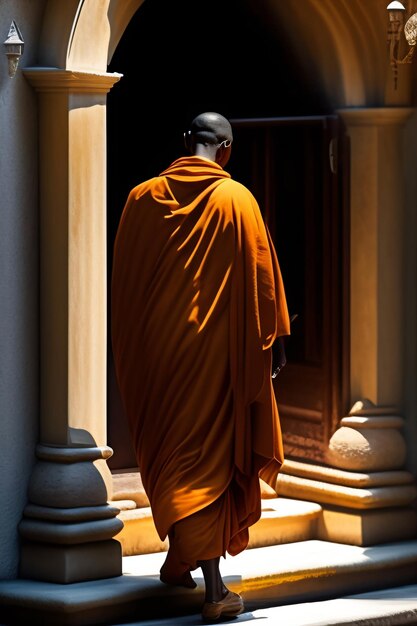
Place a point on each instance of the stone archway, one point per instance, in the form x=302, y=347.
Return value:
x=77, y=42
x=78, y=39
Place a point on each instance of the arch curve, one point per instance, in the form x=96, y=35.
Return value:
x=83, y=34
x=343, y=43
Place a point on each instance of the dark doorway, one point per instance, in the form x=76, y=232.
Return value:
x=297, y=167
x=177, y=62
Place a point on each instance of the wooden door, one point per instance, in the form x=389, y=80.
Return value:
x=297, y=169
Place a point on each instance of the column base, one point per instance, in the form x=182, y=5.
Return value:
x=104, y=601
x=69, y=564
x=367, y=528
x=68, y=526
x=359, y=508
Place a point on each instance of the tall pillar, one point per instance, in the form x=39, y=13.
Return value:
x=366, y=491
x=377, y=225
x=68, y=525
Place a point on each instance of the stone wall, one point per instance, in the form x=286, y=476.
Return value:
x=19, y=259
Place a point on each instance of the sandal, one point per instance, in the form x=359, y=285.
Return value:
x=230, y=606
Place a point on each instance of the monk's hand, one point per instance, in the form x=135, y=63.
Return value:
x=280, y=357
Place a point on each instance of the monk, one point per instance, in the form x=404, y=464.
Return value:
x=197, y=303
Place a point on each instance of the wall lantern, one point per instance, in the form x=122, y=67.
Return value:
x=14, y=48
x=396, y=12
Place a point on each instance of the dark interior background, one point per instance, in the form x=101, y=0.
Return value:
x=179, y=59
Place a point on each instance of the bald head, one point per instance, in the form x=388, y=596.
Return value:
x=210, y=128
x=210, y=136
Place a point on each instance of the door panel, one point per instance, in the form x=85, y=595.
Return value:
x=297, y=170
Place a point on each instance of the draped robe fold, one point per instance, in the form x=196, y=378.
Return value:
x=197, y=302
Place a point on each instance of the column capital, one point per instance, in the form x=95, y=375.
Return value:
x=376, y=116
x=55, y=80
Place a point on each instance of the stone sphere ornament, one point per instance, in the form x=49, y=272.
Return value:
x=369, y=439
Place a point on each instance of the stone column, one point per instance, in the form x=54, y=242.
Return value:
x=68, y=525
x=377, y=210
x=364, y=487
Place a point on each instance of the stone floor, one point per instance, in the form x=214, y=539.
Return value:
x=386, y=607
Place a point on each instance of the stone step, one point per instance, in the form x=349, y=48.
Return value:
x=386, y=607
x=275, y=576
x=302, y=571
x=283, y=520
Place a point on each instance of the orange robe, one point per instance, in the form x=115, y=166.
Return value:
x=197, y=301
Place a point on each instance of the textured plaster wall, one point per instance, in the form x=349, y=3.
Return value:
x=19, y=251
